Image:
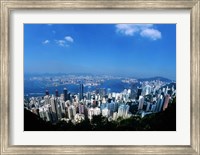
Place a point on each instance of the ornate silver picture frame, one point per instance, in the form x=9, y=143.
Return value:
x=8, y=6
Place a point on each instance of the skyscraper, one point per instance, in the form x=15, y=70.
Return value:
x=65, y=94
x=56, y=93
x=69, y=96
x=53, y=102
x=133, y=91
x=139, y=92
x=167, y=97
x=123, y=110
x=141, y=103
x=47, y=92
x=71, y=112
x=81, y=92
x=159, y=104
x=81, y=108
x=46, y=100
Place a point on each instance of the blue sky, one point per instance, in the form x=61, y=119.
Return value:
x=139, y=50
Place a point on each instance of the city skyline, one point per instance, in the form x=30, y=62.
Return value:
x=142, y=107
x=140, y=50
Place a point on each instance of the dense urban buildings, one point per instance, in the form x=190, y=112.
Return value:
x=149, y=97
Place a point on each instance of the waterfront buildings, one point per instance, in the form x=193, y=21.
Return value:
x=149, y=97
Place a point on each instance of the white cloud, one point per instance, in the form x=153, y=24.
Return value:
x=60, y=42
x=69, y=39
x=151, y=33
x=144, y=30
x=126, y=29
x=65, y=42
x=46, y=42
x=131, y=29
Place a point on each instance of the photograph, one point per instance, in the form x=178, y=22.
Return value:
x=100, y=77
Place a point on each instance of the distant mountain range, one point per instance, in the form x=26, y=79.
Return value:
x=156, y=78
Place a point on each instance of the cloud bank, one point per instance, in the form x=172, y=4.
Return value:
x=144, y=30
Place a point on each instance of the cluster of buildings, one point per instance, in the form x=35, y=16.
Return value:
x=145, y=98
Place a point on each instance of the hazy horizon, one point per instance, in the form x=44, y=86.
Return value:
x=92, y=74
